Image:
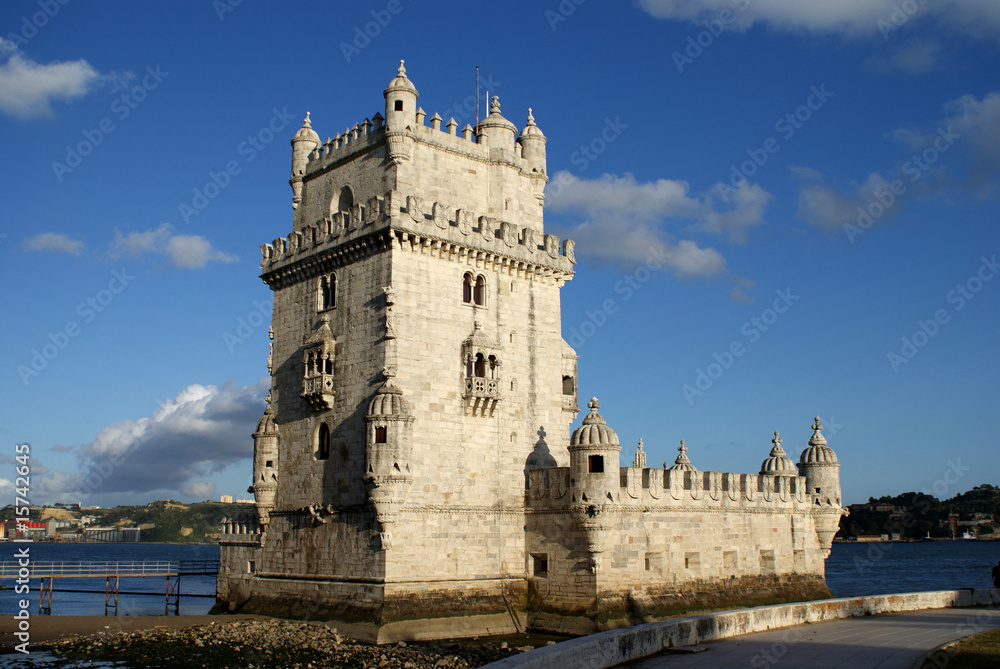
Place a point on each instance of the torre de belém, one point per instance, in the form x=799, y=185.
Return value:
x=414, y=474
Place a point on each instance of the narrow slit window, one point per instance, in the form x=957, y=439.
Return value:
x=479, y=296
x=467, y=289
x=323, y=442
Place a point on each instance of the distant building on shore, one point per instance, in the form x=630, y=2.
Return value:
x=226, y=499
x=414, y=473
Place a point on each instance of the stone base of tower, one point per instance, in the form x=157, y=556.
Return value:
x=579, y=615
x=384, y=613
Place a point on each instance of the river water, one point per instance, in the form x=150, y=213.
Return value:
x=851, y=570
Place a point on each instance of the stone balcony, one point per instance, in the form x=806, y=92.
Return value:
x=318, y=391
x=481, y=395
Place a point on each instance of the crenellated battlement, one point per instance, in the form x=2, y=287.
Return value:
x=665, y=488
x=436, y=225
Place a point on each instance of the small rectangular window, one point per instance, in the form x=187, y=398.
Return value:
x=251, y=566
x=540, y=564
x=380, y=435
x=398, y=106
x=692, y=562
x=595, y=464
x=767, y=562
x=269, y=463
x=654, y=562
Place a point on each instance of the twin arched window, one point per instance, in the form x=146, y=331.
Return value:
x=474, y=289
x=326, y=297
x=482, y=366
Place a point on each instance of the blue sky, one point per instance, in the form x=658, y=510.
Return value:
x=781, y=209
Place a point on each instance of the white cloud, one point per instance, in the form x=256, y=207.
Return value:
x=27, y=88
x=53, y=241
x=978, y=121
x=626, y=198
x=201, y=431
x=915, y=57
x=192, y=252
x=829, y=210
x=977, y=17
x=630, y=222
x=183, y=251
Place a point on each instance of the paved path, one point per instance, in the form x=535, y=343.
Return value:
x=891, y=641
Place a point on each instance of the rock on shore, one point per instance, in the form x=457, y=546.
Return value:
x=263, y=644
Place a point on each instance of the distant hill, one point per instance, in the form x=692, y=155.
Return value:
x=165, y=521
x=915, y=515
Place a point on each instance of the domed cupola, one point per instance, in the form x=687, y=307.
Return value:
x=818, y=452
x=495, y=130
x=778, y=464
x=682, y=463
x=532, y=142
x=388, y=402
x=594, y=431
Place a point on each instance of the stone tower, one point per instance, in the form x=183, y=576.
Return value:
x=417, y=356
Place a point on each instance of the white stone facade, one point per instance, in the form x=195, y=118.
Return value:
x=414, y=473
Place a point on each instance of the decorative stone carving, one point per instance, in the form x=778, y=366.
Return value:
x=486, y=227
x=569, y=247
x=440, y=214
x=415, y=208
x=552, y=245
x=509, y=233
x=465, y=218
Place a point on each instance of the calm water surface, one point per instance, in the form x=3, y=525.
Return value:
x=86, y=604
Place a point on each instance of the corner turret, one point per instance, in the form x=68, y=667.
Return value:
x=818, y=464
x=400, y=101
x=389, y=445
x=304, y=142
x=532, y=143
x=265, y=464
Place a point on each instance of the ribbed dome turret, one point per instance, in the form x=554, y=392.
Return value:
x=818, y=452
x=682, y=463
x=778, y=464
x=306, y=132
x=531, y=130
x=389, y=401
x=495, y=130
x=594, y=430
x=266, y=424
x=400, y=83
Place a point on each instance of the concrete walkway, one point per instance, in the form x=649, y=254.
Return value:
x=888, y=641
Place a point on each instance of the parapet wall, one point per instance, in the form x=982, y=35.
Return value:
x=611, y=648
x=671, y=488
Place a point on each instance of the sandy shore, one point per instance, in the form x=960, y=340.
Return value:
x=46, y=630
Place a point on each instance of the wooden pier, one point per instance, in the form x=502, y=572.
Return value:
x=112, y=573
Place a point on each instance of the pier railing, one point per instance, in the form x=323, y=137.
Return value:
x=76, y=569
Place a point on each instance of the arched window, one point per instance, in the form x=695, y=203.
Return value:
x=346, y=200
x=480, y=365
x=467, y=288
x=327, y=292
x=479, y=294
x=569, y=387
x=323, y=442
x=494, y=364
